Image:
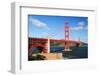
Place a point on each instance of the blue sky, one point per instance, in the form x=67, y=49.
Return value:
x=42, y=26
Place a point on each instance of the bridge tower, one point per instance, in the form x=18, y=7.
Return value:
x=66, y=33
x=79, y=41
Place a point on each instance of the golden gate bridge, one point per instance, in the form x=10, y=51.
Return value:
x=44, y=43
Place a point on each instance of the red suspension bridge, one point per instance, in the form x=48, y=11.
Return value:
x=44, y=43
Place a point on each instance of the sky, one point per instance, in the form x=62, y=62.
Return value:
x=43, y=26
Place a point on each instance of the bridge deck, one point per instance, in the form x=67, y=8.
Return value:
x=51, y=40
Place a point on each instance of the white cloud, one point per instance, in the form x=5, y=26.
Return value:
x=81, y=25
x=38, y=23
x=76, y=28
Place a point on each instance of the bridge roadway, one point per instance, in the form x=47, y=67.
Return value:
x=51, y=40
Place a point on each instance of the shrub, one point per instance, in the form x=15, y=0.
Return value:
x=37, y=57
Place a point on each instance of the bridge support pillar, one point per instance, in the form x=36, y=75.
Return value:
x=48, y=45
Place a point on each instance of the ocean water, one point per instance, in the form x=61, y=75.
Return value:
x=77, y=52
